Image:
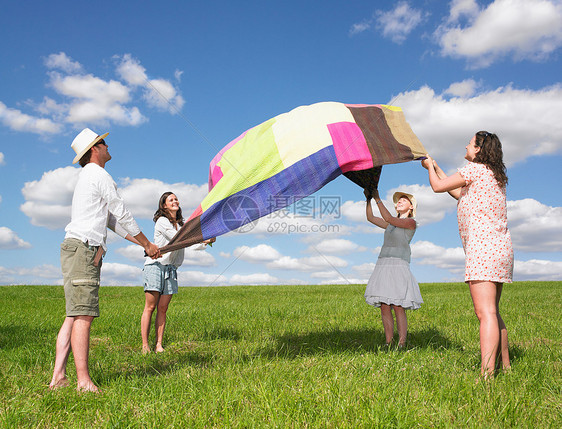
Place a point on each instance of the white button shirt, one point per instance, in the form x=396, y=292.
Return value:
x=96, y=206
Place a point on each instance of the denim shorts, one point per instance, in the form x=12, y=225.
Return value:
x=81, y=278
x=160, y=278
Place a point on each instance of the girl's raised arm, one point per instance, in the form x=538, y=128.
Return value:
x=380, y=222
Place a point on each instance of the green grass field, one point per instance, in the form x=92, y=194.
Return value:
x=284, y=356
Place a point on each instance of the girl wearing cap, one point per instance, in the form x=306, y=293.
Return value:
x=392, y=285
x=160, y=276
x=480, y=188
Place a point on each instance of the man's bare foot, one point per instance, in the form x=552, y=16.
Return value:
x=88, y=387
x=159, y=348
x=145, y=350
x=56, y=384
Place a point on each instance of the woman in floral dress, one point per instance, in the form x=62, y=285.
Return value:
x=480, y=188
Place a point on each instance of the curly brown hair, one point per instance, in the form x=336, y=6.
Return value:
x=491, y=155
x=163, y=212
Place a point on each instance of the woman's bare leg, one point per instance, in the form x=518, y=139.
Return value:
x=504, y=343
x=160, y=322
x=484, y=299
x=151, y=301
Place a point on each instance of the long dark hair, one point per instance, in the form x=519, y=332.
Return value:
x=491, y=155
x=163, y=212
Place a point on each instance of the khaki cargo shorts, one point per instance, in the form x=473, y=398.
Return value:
x=81, y=278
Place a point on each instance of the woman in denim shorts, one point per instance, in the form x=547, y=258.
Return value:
x=160, y=276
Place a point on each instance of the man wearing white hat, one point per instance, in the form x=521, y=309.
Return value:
x=96, y=206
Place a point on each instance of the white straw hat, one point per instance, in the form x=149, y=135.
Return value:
x=84, y=141
x=398, y=195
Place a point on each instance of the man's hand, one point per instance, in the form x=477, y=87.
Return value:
x=152, y=250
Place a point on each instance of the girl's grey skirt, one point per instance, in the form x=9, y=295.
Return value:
x=393, y=283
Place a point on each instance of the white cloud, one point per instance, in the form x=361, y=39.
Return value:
x=257, y=254
x=535, y=269
x=51, y=216
x=264, y=253
x=337, y=245
x=335, y=277
x=395, y=24
x=307, y=264
x=527, y=121
x=200, y=258
x=41, y=274
x=10, y=240
x=131, y=70
x=85, y=99
x=158, y=93
x=114, y=274
x=463, y=8
x=359, y=27
x=141, y=195
x=62, y=62
x=253, y=279
x=90, y=87
x=50, y=107
x=342, y=280
x=463, y=89
x=354, y=210
x=198, y=278
x=524, y=29
x=365, y=270
x=325, y=275
x=162, y=95
x=48, y=200
x=133, y=252
x=55, y=185
x=427, y=253
x=534, y=227
x=18, y=121
x=2, y=161
x=288, y=263
x=96, y=101
x=45, y=271
x=399, y=22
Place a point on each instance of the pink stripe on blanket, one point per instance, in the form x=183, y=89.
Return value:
x=350, y=146
x=215, y=173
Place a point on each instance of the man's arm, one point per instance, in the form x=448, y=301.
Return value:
x=151, y=249
x=120, y=220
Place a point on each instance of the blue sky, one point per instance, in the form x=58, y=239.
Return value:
x=174, y=82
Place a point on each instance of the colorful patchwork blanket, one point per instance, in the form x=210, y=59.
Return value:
x=292, y=156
